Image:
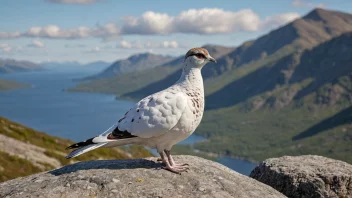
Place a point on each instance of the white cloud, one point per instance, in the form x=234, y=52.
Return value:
x=305, y=3
x=53, y=31
x=194, y=21
x=149, y=23
x=202, y=21
x=149, y=45
x=214, y=20
x=73, y=1
x=36, y=44
x=5, y=47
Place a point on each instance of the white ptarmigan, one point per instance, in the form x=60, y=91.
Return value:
x=160, y=120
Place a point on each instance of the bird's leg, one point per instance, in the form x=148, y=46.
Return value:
x=162, y=157
x=168, y=166
x=171, y=160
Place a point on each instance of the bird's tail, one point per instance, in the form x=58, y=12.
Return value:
x=84, y=149
x=96, y=142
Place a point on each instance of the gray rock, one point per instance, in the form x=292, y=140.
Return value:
x=138, y=178
x=306, y=176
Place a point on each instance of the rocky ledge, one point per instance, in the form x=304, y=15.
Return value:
x=306, y=176
x=137, y=178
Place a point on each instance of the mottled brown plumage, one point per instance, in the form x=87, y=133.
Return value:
x=196, y=50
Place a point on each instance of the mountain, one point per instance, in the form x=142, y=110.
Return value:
x=138, y=62
x=58, y=65
x=299, y=105
x=97, y=65
x=24, y=151
x=9, y=66
x=320, y=65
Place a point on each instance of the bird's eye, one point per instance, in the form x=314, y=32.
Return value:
x=200, y=56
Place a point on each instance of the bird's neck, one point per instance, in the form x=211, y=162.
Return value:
x=192, y=77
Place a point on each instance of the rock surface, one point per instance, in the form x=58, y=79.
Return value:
x=306, y=176
x=137, y=178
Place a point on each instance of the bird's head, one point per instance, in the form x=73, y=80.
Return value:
x=198, y=57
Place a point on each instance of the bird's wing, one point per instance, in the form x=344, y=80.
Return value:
x=150, y=117
x=154, y=115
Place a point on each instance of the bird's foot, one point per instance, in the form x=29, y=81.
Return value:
x=178, y=169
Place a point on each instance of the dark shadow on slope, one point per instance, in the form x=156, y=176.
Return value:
x=325, y=64
x=107, y=164
x=343, y=117
x=257, y=82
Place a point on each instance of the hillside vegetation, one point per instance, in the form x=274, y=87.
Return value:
x=288, y=92
x=6, y=85
x=24, y=151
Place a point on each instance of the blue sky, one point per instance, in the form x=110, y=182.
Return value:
x=90, y=30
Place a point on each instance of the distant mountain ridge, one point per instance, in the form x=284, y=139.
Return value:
x=93, y=66
x=138, y=62
x=10, y=66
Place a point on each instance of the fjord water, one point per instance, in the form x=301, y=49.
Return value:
x=76, y=116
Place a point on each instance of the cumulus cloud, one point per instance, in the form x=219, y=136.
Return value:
x=36, y=44
x=5, y=47
x=304, y=3
x=73, y=1
x=202, y=21
x=149, y=45
x=194, y=21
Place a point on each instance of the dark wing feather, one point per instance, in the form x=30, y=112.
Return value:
x=82, y=144
x=117, y=134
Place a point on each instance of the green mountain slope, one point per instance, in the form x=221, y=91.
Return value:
x=24, y=151
x=300, y=105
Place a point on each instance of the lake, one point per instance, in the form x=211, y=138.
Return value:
x=76, y=116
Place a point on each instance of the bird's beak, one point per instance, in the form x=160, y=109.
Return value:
x=211, y=59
